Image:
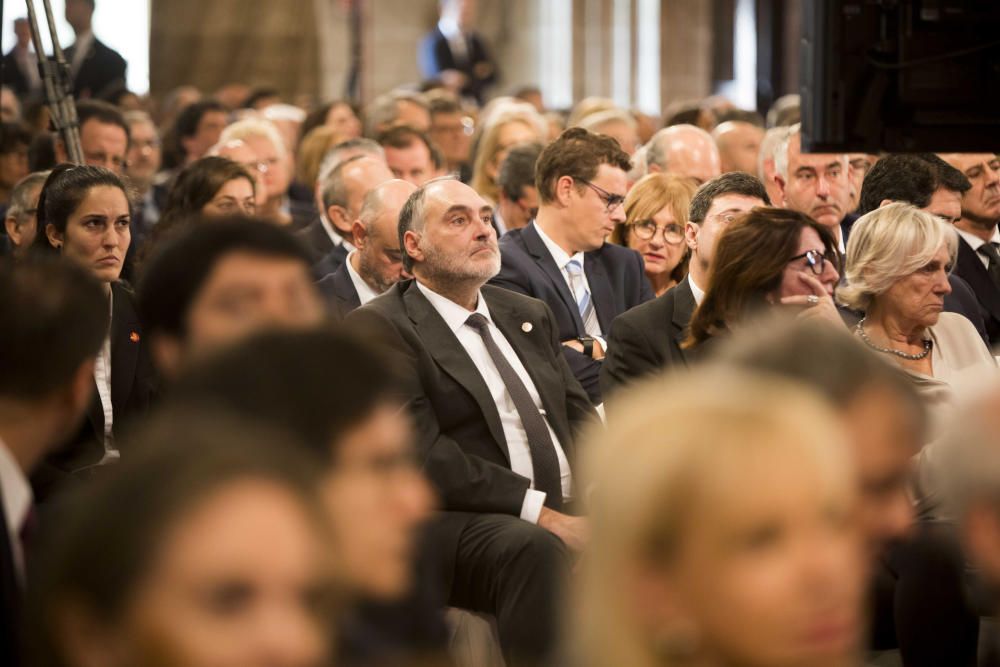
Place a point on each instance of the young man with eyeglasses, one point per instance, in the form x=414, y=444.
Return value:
x=648, y=338
x=562, y=258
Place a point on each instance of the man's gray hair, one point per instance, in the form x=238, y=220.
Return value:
x=334, y=156
x=20, y=203
x=384, y=109
x=411, y=216
x=780, y=151
x=334, y=188
x=656, y=148
x=767, y=145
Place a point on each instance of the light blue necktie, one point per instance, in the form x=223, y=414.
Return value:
x=582, y=295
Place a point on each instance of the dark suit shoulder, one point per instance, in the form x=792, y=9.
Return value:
x=656, y=313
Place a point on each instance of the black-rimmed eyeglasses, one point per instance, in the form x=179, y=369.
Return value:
x=816, y=260
x=611, y=200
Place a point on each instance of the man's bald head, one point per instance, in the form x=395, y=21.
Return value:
x=685, y=150
x=379, y=261
x=739, y=145
x=345, y=189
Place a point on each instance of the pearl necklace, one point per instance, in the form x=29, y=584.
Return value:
x=860, y=331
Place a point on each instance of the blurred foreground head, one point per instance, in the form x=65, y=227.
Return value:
x=335, y=395
x=881, y=411
x=970, y=462
x=723, y=528
x=206, y=547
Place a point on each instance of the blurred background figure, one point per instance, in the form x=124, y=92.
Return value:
x=456, y=55
x=14, y=142
x=656, y=210
x=739, y=145
x=96, y=70
x=21, y=219
x=727, y=538
x=684, y=150
x=519, y=201
x=20, y=64
x=218, y=555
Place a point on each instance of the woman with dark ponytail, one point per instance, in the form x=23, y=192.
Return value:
x=84, y=215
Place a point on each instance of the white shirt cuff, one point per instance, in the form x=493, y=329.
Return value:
x=603, y=343
x=532, y=505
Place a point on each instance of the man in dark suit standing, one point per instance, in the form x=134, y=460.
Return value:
x=496, y=410
x=377, y=264
x=329, y=239
x=20, y=64
x=562, y=258
x=96, y=69
x=46, y=380
x=648, y=338
x=455, y=54
x=978, y=261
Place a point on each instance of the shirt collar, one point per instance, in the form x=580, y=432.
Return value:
x=17, y=496
x=453, y=314
x=365, y=292
x=561, y=257
x=449, y=28
x=334, y=235
x=975, y=241
x=696, y=291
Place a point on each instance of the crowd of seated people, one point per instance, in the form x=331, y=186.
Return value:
x=453, y=379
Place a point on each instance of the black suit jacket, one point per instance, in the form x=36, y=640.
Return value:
x=316, y=240
x=12, y=76
x=437, y=56
x=617, y=283
x=459, y=433
x=330, y=262
x=101, y=73
x=648, y=338
x=338, y=290
x=133, y=387
x=10, y=597
x=969, y=267
x=962, y=300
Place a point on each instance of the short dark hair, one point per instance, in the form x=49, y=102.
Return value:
x=187, y=122
x=260, y=93
x=314, y=384
x=55, y=316
x=948, y=176
x=12, y=137
x=733, y=183
x=177, y=462
x=199, y=182
x=177, y=270
x=518, y=169
x=577, y=153
x=102, y=112
x=64, y=190
x=740, y=115
x=403, y=136
x=897, y=177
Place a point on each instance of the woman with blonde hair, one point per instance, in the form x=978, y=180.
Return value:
x=898, y=260
x=504, y=131
x=656, y=211
x=727, y=539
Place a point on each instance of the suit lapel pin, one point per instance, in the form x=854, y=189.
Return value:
x=527, y=327
x=134, y=337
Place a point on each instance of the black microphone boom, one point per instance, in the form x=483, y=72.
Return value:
x=55, y=76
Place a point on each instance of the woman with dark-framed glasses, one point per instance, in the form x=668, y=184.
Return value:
x=656, y=211
x=768, y=257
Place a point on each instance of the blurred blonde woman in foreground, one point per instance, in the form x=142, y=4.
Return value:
x=727, y=539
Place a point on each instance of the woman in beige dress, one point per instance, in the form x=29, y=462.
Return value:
x=898, y=259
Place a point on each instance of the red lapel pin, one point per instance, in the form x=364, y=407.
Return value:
x=134, y=337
